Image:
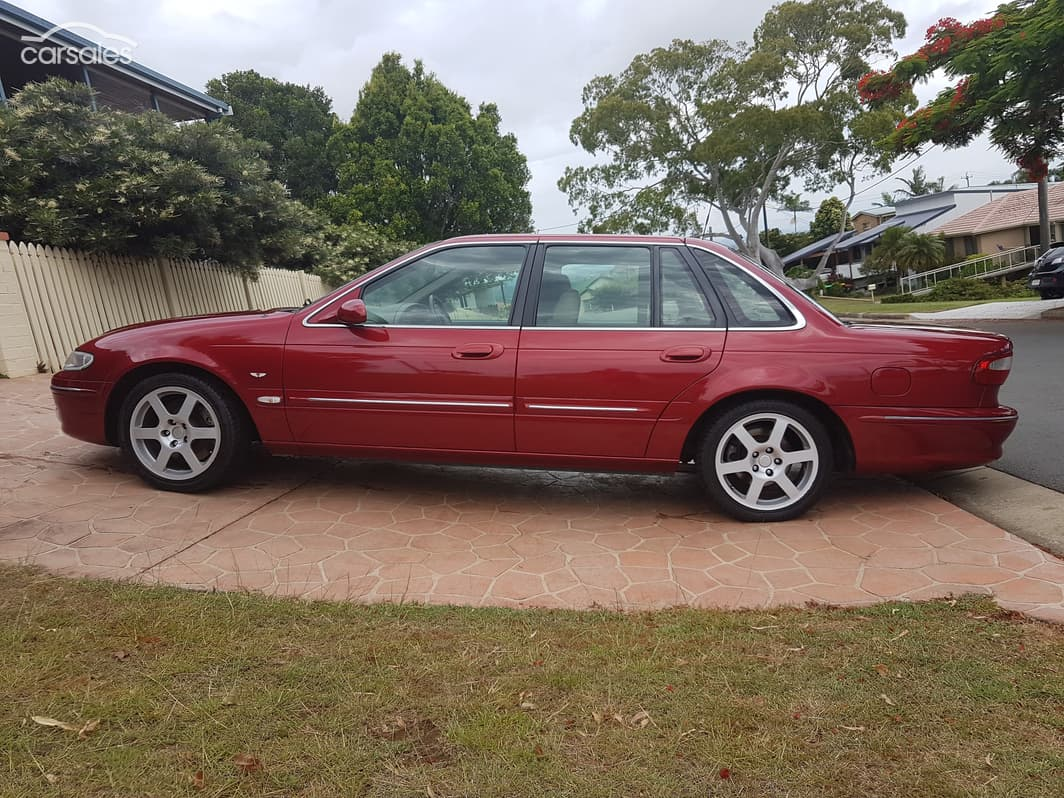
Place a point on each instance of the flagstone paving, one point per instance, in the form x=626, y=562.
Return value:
x=384, y=532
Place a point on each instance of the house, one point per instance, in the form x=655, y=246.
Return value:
x=865, y=220
x=1008, y=222
x=33, y=49
x=924, y=214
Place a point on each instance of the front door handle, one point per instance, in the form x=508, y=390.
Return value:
x=685, y=354
x=477, y=351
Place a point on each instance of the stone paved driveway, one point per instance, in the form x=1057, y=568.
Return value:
x=373, y=532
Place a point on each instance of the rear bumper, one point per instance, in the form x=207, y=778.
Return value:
x=907, y=440
x=81, y=407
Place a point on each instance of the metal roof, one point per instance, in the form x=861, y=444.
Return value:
x=818, y=246
x=913, y=221
x=37, y=26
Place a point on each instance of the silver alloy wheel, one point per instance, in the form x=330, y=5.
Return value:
x=767, y=461
x=174, y=433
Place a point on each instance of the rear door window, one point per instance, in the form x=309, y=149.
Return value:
x=750, y=303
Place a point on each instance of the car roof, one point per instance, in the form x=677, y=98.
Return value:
x=584, y=238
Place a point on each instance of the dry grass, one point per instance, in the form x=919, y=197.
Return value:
x=938, y=699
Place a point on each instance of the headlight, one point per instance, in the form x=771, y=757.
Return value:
x=77, y=361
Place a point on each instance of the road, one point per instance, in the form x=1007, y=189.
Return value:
x=1035, y=451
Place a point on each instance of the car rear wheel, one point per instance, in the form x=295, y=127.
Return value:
x=766, y=460
x=182, y=433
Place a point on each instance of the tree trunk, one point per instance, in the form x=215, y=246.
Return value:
x=1043, y=216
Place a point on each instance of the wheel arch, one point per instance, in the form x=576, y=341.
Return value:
x=841, y=442
x=128, y=380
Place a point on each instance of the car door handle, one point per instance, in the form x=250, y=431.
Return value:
x=685, y=354
x=477, y=351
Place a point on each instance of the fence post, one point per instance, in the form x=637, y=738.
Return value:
x=167, y=280
x=247, y=291
x=18, y=351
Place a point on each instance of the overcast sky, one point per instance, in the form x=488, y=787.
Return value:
x=530, y=57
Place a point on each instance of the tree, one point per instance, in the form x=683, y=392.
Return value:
x=729, y=125
x=418, y=164
x=296, y=121
x=918, y=185
x=110, y=181
x=1007, y=75
x=887, y=251
x=794, y=204
x=886, y=200
x=783, y=244
x=921, y=251
x=830, y=217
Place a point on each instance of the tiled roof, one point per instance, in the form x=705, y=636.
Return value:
x=1018, y=209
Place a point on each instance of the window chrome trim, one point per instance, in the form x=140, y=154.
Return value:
x=628, y=329
x=586, y=407
x=800, y=321
x=415, y=402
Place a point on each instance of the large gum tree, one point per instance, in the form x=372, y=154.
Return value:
x=730, y=125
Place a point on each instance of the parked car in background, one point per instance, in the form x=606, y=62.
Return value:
x=601, y=353
x=1047, y=276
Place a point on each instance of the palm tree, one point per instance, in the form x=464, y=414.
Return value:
x=887, y=250
x=918, y=185
x=795, y=205
x=886, y=200
x=921, y=251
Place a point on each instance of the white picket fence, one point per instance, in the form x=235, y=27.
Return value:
x=53, y=299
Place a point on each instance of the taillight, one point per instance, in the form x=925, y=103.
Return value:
x=993, y=370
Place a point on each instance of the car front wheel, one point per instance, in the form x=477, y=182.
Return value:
x=765, y=460
x=182, y=433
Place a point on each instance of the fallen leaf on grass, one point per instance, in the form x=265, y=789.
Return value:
x=852, y=728
x=899, y=635
x=51, y=778
x=887, y=699
x=120, y=655
x=989, y=760
x=882, y=670
x=725, y=773
x=641, y=719
x=43, y=721
x=762, y=628
x=538, y=751
x=196, y=780
x=524, y=702
x=598, y=717
x=149, y=640
x=246, y=763
x=83, y=730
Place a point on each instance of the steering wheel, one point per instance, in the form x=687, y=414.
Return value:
x=437, y=309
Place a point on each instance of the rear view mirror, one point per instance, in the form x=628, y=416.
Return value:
x=352, y=312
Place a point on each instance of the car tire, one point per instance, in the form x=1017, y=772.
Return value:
x=203, y=430
x=765, y=460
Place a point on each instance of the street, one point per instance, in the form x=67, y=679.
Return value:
x=1035, y=451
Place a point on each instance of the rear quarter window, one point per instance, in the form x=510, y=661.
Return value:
x=749, y=302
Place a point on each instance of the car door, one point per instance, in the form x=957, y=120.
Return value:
x=432, y=368
x=612, y=333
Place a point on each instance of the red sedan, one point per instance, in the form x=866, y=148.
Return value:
x=580, y=352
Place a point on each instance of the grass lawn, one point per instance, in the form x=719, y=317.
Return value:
x=242, y=695
x=836, y=305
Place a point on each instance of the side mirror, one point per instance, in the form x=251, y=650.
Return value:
x=352, y=312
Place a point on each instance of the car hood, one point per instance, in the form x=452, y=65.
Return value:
x=214, y=321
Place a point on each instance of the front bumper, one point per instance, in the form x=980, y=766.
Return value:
x=910, y=440
x=81, y=406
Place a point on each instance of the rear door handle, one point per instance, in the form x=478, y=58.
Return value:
x=685, y=354
x=477, y=351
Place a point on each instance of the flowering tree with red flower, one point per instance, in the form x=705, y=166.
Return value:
x=1009, y=80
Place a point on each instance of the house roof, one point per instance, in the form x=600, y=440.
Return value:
x=1019, y=209
x=913, y=221
x=177, y=99
x=878, y=212
x=816, y=247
